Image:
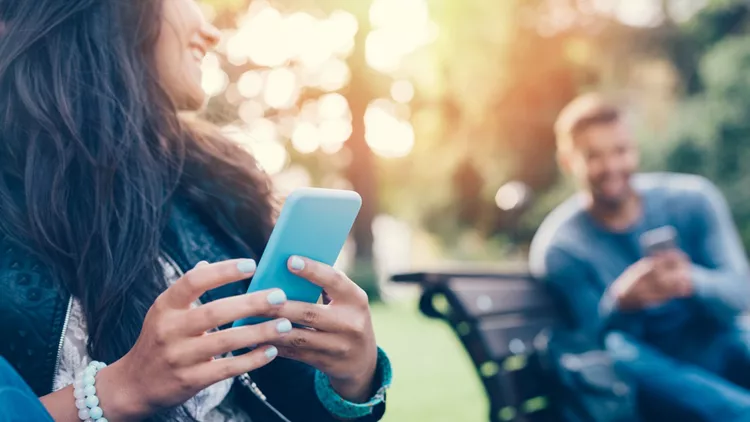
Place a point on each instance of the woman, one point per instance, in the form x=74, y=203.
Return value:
x=107, y=196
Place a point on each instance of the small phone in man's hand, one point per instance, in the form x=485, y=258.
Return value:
x=658, y=240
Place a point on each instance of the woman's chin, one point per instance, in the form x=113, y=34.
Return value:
x=195, y=102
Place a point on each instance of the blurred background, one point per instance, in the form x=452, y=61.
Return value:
x=440, y=112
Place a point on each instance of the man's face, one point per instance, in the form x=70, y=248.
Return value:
x=603, y=158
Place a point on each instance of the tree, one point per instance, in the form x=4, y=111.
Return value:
x=712, y=126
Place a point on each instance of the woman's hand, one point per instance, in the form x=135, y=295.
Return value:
x=174, y=357
x=340, y=341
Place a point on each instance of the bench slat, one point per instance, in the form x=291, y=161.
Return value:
x=481, y=298
x=511, y=334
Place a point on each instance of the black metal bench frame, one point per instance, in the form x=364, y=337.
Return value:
x=496, y=316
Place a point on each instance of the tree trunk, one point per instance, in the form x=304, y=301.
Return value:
x=362, y=170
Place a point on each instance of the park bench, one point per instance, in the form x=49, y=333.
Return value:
x=496, y=316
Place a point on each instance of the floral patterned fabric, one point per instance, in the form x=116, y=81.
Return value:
x=212, y=404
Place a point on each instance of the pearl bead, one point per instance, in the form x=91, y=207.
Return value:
x=83, y=414
x=92, y=401
x=96, y=413
x=102, y=420
x=80, y=404
x=89, y=380
x=78, y=383
x=90, y=370
x=89, y=390
x=78, y=393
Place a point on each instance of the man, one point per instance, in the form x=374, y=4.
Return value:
x=668, y=318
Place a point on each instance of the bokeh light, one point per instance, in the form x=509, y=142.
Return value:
x=512, y=195
x=259, y=140
x=250, y=110
x=334, y=74
x=386, y=134
x=402, y=91
x=214, y=80
x=333, y=106
x=285, y=55
x=281, y=88
x=250, y=84
x=306, y=138
x=401, y=27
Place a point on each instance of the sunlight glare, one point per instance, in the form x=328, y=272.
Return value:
x=264, y=38
x=334, y=75
x=338, y=32
x=299, y=28
x=333, y=106
x=292, y=178
x=386, y=135
x=250, y=110
x=382, y=51
x=214, y=80
x=250, y=84
x=401, y=27
x=402, y=91
x=511, y=195
x=271, y=156
x=642, y=13
x=260, y=140
x=306, y=138
x=314, y=50
x=335, y=132
x=281, y=90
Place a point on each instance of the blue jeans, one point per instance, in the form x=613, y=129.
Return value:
x=706, y=383
x=17, y=402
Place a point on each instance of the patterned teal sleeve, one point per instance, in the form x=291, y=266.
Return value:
x=344, y=409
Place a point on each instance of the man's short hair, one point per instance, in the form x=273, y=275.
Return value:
x=582, y=113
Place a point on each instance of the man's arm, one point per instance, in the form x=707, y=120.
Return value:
x=591, y=310
x=722, y=282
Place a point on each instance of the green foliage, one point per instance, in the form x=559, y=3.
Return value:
x=712, y=127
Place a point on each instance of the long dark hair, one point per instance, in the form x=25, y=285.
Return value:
x=92, y=150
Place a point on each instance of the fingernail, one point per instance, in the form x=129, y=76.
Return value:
x=246, y=266
x=284, y=326
x=276, y=297
x=297, y=263
x=271, y=352
x=201, y=263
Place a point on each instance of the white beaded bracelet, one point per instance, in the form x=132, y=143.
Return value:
x=84, y=391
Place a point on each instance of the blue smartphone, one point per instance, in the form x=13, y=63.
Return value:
x=314, y=223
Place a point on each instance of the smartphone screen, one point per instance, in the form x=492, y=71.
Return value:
x=658, y=240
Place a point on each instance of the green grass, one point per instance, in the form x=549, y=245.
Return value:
x=434, y=380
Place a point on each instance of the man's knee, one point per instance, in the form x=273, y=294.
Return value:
x=620, y=348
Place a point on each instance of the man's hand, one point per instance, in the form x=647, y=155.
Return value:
x=673, y=274
x=653, y=280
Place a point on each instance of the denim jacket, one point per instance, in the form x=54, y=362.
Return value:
x=34, y=312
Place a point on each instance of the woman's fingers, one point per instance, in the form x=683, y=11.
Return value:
x=313, y=315
x=220, y=342
x=206, y=277
x=301, y=339
x=223, y=311
x=209, y=373
x=336, y=284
